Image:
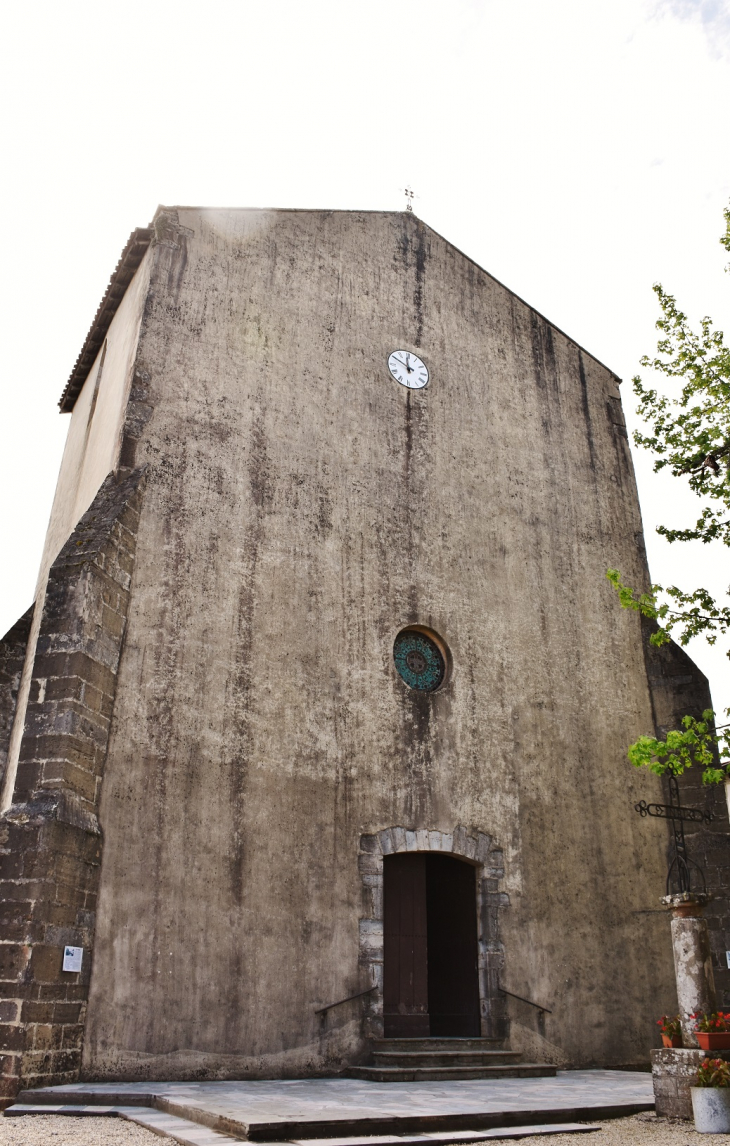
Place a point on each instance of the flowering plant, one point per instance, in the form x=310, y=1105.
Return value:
x=672, y=1028
x=713, y=1072
x=716, y=1021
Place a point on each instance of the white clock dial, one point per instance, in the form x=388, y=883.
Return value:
x=408, y=369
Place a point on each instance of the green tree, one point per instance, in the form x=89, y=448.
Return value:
x=688, y=433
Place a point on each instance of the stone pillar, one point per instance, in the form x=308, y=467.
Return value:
x=692, y=958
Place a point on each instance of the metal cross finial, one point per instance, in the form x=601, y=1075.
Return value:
x=409, y=194
x=679, y=876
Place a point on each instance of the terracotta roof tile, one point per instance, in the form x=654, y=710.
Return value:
x=132, y=256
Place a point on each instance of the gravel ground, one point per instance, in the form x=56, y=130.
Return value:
x=638, y=1130
x=60, y=1130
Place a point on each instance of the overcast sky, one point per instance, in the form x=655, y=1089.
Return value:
x=577, y=149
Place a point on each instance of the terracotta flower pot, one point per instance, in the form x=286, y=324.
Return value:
x=713, y=1040
x=672, y=1040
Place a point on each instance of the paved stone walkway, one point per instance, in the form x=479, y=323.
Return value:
x=309, y=1108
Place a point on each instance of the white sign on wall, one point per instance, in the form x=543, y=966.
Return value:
x=72, y=957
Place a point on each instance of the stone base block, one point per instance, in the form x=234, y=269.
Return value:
x=673, y=1072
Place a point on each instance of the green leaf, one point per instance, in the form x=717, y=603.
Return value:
x=698, y=743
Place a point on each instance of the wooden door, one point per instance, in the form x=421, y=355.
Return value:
x=453, y=978
x=405, y=956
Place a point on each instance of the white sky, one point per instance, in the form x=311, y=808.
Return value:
x=576, y=149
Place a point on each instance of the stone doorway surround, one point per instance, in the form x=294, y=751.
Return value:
x=470, y=844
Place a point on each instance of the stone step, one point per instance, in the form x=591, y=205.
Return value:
x=187, y=1133
x=437, y=1044
x=441, y=1138
x=107, y=1096
x=410, y=1059
x=451, y=1073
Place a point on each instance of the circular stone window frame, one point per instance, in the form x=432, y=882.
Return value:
x=442, y=647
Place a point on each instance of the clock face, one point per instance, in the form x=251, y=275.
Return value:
x=407, y=369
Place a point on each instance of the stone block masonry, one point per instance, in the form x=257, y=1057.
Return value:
x=709, y=846
x=678, y=688
x=50, y=840
x=674, y=1071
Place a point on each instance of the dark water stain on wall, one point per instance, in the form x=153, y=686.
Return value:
x=416, y=753
x=166, y=655
x=420, y=283
x=586, y=410
x=240, y=686
x=537, y=349
x=407, y=440
x=413, y=253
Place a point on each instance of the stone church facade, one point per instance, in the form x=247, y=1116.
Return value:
x=309, y=643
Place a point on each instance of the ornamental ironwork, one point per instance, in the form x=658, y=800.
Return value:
x=681, y=868
x=670, y=812
x=419, y=660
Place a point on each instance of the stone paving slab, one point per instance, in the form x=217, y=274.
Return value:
x=294, y=1109
x=452, y=1136
x=179, y=1130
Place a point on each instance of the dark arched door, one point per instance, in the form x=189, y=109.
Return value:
x=430, y=979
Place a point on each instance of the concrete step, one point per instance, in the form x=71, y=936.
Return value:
x=451, y=1073
x=410, y=1059
x=436, y=1044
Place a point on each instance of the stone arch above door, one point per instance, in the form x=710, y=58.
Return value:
x=470, y=844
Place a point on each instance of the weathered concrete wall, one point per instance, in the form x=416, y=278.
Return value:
x=301, y=508
x=50, y=841
x=12, y=657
